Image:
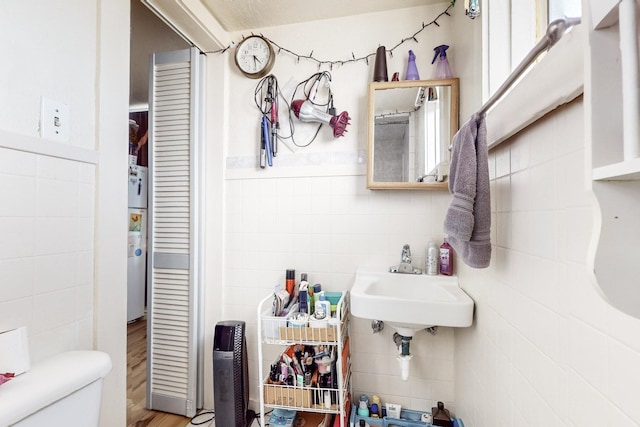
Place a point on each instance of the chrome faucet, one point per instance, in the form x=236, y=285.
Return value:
x=405, y=265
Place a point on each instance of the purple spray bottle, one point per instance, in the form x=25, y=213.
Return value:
x=412, y=70
x=442, y=67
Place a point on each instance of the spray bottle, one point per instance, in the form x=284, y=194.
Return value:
x=412, y=70
x=442, y=67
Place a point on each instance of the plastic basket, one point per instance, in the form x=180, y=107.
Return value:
x=408, y=418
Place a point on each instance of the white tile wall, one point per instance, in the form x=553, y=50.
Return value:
x=545, y=348
x=328, y=227
x=46, y=250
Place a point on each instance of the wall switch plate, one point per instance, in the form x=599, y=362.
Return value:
x=54, y=120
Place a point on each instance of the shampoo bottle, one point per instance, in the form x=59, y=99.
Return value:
x=446, y=258
x=431, y=266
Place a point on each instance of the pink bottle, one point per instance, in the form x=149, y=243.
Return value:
x=446, y=259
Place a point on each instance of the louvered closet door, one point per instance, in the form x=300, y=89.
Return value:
x=174, y=273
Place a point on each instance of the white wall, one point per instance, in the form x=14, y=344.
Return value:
x=46, y=256
x=545, y=348
x=62, y=257
x=311, y=211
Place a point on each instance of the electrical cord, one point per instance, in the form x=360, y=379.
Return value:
x=308, y=86
x=312, y=84
x=250, y=418
x=268, y=89
x=265, y=415
x=196, y=422
x=264, y=97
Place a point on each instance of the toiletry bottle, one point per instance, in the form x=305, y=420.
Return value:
x=377, y=413
x=431, y=266
x=311, y=300
x=290, y=281
x=303, y=296
x=446, y=259
x=442, y=67
x=317, y=288
x=441, y=416
x=412, y=70
x=363, y=406
x=322, y=307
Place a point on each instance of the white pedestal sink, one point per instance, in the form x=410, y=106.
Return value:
x=410, y=302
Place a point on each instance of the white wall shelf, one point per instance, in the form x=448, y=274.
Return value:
x=611, y=129
x=604, y=13
x=625, y=170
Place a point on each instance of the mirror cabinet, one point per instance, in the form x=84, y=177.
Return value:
x=411, y=125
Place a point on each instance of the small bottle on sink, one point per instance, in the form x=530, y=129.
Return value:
x=446, y=258
x=431, y=265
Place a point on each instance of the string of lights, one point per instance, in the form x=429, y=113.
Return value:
x=354, y=58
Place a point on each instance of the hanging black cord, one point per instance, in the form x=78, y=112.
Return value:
x=312, y=84
x=263, y=97
x=309, y=85
x=267, y=89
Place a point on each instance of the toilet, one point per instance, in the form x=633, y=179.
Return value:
x=64, y=390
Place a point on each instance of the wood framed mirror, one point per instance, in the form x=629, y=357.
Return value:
x=411, y=125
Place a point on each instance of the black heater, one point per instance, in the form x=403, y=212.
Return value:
x=230, y=375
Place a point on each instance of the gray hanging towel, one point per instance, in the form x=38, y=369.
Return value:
x=468, y=219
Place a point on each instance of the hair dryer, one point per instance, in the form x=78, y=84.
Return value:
x=305, y=111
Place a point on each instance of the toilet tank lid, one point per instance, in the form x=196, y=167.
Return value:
x=50, y=381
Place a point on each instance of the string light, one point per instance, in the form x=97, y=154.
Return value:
x=341, y=62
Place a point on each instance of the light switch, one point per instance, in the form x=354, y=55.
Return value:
x=54, y=120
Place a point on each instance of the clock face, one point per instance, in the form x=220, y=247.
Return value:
x=254, y=57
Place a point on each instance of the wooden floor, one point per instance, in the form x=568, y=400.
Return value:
x=137, y=414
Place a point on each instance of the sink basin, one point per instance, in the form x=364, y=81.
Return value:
x=410, y=302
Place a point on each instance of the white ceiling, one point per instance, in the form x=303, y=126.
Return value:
x=240, y=15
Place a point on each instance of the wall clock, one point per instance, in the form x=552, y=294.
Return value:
x=254, y=57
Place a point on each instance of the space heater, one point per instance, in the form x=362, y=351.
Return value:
x=231, y=375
